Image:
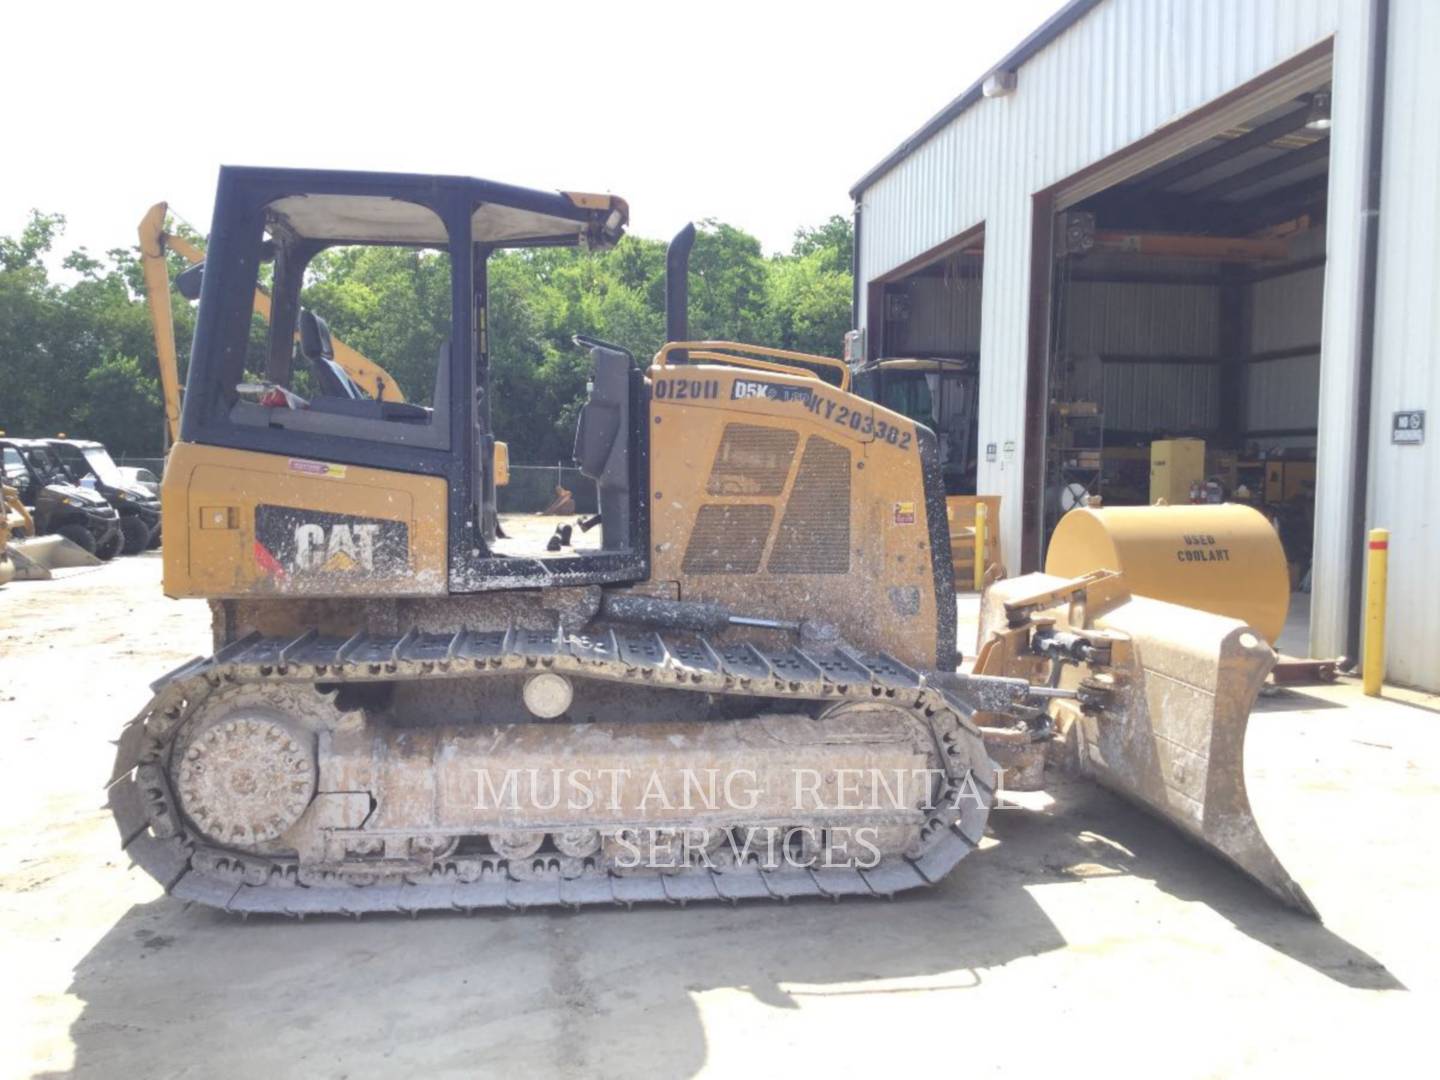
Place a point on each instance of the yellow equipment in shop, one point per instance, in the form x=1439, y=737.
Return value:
x=1175, y=466
x=406, y=710
x=1288, y=480
x=961, y=516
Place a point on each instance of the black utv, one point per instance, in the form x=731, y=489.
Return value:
x=91, y=466
x=56, y=502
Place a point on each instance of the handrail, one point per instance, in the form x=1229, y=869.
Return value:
x=722, y=351
x=752, y=362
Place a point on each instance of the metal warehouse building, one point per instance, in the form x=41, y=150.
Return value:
x=1163, y=219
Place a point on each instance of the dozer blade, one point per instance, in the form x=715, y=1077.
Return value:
x=35, y=557
x=1171, y=733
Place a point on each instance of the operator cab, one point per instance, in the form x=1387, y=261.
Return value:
x=327, y=251
x=943, y=393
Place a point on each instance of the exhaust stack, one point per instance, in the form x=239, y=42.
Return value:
x=677, y=289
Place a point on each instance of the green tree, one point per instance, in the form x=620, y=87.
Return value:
x=119, y=404
x=834, y=241
x=35, y=240
x=728, y=298
x=78, y=356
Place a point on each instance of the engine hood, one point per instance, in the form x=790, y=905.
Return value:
x=77, y=493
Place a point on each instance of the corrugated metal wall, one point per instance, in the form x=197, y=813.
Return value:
x=944, y=318
x=1288, y=311
x=1122, y=72
x=1405, y=480
x=1123, y=321
x=1170, y=399
x=1099, y=319
x=1149, y=320
x=1283, y=393
x=1126, y=69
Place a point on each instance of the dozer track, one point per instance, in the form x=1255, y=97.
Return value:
x=160, y=835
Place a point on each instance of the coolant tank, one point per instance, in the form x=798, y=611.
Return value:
x=1224, y=559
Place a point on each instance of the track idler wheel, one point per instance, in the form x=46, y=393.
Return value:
x=246, y=778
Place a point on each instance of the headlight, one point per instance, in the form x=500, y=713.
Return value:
x=70, y=500
x=122, y=496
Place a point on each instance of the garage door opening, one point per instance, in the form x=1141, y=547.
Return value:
x=1185, y=325
x=924, y=354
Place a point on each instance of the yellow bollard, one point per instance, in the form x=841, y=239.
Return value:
x=1376, y=568
x=980, y=547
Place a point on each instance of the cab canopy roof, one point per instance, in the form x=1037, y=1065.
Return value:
x=334, y=206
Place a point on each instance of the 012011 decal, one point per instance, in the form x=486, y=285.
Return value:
x=289, y=541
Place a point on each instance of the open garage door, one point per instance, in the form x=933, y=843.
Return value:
x=1185, y=305
x=924, y=351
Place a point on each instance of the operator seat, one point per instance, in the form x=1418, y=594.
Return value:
x=341, y=395
x=317, y=347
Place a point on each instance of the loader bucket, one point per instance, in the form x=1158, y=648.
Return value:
x=1170, y=733
x=35, y=557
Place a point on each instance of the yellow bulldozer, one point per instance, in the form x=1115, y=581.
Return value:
x=742, y=682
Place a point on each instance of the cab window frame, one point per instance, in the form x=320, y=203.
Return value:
x=222, y=336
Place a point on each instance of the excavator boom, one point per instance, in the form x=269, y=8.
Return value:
x=154, y=242
x=157, y=296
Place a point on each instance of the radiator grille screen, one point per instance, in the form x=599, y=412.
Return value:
x=814, y=536
x=752, y=460
x=728, y=539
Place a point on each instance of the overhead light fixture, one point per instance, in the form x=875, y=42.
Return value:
x=998, y=84
x=1319, y=118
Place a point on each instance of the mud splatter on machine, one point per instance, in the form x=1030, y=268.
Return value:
x=742, y=683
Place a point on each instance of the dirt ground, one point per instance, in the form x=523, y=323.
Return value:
x=1083, y=938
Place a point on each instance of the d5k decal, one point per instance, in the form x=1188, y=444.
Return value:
x=308, y=542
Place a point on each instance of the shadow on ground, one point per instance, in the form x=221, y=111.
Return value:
x=1292, y=699
x=1092, y=829
x=178, y=990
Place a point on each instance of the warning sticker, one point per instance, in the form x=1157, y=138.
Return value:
x=904, y=513
x=317, y=468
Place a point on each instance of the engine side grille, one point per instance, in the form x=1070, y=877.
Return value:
x=752, y=460
x=814, y=535
x=728, y=539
